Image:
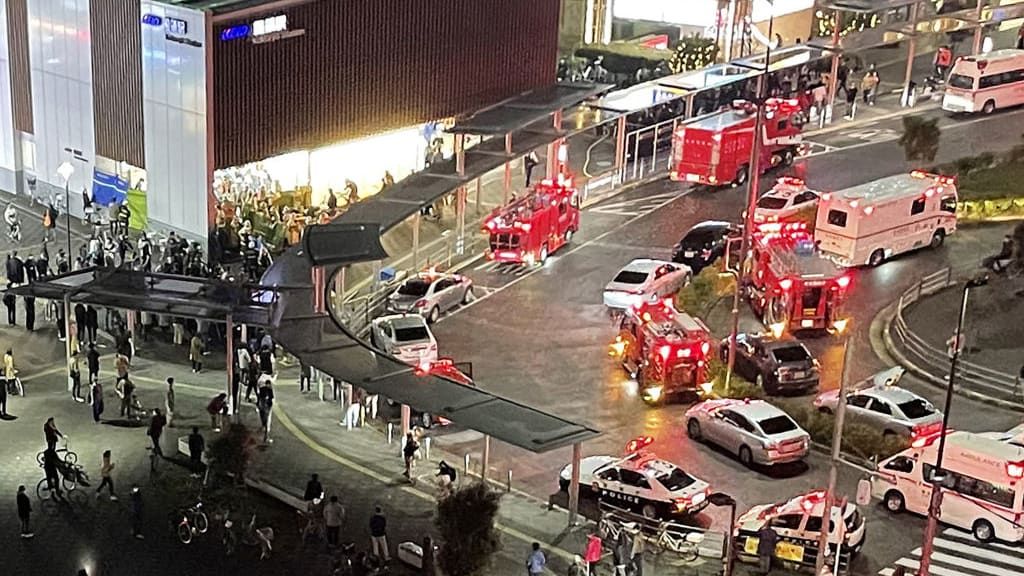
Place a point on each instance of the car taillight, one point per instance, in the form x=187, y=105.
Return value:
x=420, y=303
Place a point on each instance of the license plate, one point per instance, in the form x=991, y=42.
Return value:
x=799, y=374
x=692, y=178
x=689, y=254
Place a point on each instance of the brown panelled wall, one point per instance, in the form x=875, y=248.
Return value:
x=368, y=66
x=117, y=79
x=21, y=78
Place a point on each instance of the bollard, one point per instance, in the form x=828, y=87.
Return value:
x=465, y=471
x=426, y=448
x=391, y=431
x=508, y=481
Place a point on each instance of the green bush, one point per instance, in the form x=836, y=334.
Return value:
x=859, y=438
x=704, y=291
x=232, y=452
x=739, y=387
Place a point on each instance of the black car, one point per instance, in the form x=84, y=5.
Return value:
x=705, y=243
x=776, y=366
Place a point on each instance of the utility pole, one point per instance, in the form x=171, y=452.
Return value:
x=753, y=184
x=837, y=441
x=833, y=80
x=915, y=11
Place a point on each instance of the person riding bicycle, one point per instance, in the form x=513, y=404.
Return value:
x=11, y=217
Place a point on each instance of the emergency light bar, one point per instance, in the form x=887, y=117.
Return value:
x=637, y=444
x=949, y=180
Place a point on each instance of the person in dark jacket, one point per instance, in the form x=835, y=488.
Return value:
x=196, y=447
x=24, y=512
x=10, y=301
x=43, y=264
x=92, y=321
x=93, y=360
x=137, y=512
x=314, y=489
x=30, y=269
x=80, y=321
x=378, y=535
x=767, y=538
x=30, y=313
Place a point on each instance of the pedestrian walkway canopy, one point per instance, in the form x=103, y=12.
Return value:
x=174, y=295
x=526, y=109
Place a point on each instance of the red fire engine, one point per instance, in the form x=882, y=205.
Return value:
x=790, y=285
x=529, y=229
x=716, y=150
x=663, y=349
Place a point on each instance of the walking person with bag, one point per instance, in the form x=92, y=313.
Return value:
x=409, y=453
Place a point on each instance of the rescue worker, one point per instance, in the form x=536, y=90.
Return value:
x=943, y=61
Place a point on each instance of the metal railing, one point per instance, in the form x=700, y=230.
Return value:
x=972, y=376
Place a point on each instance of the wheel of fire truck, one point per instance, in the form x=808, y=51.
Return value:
x=568, y=235
x=433, y=315
x=741, y=176
x=693, y=429
x=746, y=457
x=876, y=258
x=543, y=254
x=787, y=156
x=938, y=238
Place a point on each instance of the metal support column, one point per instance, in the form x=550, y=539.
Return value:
x=319, y=306
x=508, y=169
x=416, y=241
x=837, y=439
x=620, y=143
x=67, y=337
x=478, y=196
x=833, y=79
x=460, y=220
x=230, y=365
x=406, y=421
x=131, y=321
x=555, y=148
x=574, y=484
x=915, y=11
x=980, y=30
x=485, y=460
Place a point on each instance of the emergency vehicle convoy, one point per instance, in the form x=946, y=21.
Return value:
x=716, y=150
x=664, y=350
x=530, y=228
x=790, y=285
x=870, y=223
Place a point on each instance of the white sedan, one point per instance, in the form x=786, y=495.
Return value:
x=406, y=337
x=645, y=280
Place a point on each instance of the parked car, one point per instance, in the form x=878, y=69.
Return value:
x=431, y=294
x=704, y=243
x=406, y=337
x=886, y=406
x=781, y=366
x=754, y=430
x=786, y=201
x=645, y=280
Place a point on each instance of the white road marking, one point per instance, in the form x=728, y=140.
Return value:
x=957, y=553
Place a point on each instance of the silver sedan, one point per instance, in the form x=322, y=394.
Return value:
x=887, y=407
x=431, y=294
x=754, y=430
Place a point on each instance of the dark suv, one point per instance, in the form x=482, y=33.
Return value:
x=704, y=243
x=776, y=366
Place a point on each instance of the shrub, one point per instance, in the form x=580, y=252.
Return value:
x=704, y=291
x=232, y=452
x=920, y=139
x=739, y=387
x=859, y=438
x=466, y=523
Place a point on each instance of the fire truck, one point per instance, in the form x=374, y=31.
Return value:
x=715, y=150
x=790, y=285
x=664, y=350
x=529, y=229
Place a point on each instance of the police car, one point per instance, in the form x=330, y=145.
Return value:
x=640, y=482
x=785, y=201
x=798, y=525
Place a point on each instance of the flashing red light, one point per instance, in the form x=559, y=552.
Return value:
x=491, y=225
x=854, y=203
x=646, y=316
x=929, y=439
x=785, y=283
x=705, y=348
x=526, y=227
x=843, y=281
x=1015, y=469
x=868, y=210
x=929, y=192
x=791, y=181
x=683, y=353
x=637, y=444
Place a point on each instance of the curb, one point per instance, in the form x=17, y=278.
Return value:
x=897, y=354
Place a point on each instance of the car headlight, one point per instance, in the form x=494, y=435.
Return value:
x=653, y=393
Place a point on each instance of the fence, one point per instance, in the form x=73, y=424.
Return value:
x=937, y=362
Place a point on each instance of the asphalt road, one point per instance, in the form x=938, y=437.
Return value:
x=541, y=335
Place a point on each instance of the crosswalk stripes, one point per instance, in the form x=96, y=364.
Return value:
x=504, y=268
x=957, y=553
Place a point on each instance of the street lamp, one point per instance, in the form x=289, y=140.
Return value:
x=938, y=476
x=723, y=499
x=65, y=171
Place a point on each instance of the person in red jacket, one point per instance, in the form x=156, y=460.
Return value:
x=943, y=61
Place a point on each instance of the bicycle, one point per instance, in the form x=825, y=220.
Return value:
x=70, y=458
x=190, y=521
x=14, y=385
x=684, y=544
x=71, y=477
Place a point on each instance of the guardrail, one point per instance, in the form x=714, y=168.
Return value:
x=936, y=362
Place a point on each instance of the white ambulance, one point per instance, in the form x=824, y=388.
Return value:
x=872, y=222
x=983, y=485
x=984, y=82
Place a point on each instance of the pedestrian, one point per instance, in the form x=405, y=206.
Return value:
x=767, y=538
x=24, y=512
x=156, y=429
x=851, y=99
x=195, y=353
x=43, y=264
x=529, y=163
x=92, y=322
x=536, y=561
x=869, y=85
x=10, y=373
x=76, y=377
x=169, y=402
x=121, y=365
x=11, y=303
x=3, y=399
x=265, y=406
x=60, y=321
x=51, y=468
x=409, y=453
x=125, y=390
x=267, y=360
x=137, y=512
x=97, y=401
x=334, y=517
x=378, y=535
x=51, y=433
x=30, y=313
x=81, y=321
x=92, y=360
x=217, y=408
x=314, y=489
x=196, y=447
x=305, y=377
x=106, y=478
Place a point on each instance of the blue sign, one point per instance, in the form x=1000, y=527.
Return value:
x=235, y=32
x=152, y=20
x=107, y=188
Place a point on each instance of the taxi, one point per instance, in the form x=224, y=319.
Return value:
x=640, y=482
x=798, y=525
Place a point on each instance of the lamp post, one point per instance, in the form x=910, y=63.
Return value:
x=753, y=183
x=841, y=326
x=938, y=477
x=65, y=171
x=723, y=499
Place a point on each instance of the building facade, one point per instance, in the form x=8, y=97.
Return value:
x=153, y=101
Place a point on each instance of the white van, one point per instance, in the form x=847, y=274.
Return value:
x=983, y=491
x=870, y=223
x=984, y=82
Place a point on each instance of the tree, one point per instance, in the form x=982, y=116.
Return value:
x=920, y=139
x=232, y=452
x=704, y=291
x=692, y=53
x=466, y=522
